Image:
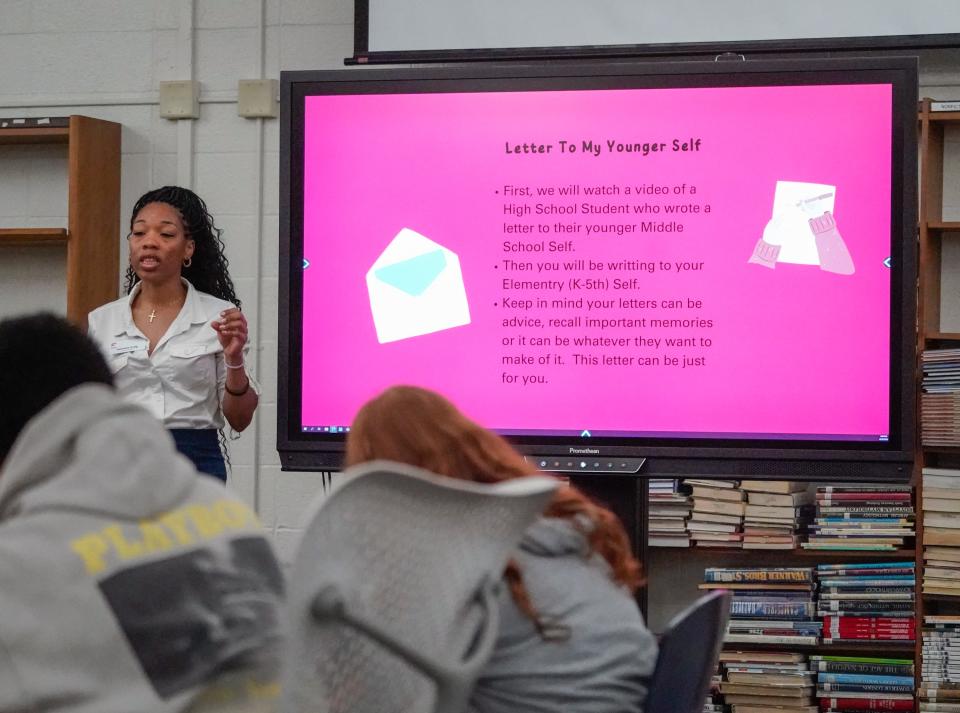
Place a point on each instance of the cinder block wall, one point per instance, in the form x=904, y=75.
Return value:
x=105, y=58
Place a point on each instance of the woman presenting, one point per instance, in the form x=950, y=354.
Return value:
x=176, y=344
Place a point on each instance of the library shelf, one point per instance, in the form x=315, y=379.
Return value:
x=930, y=597
x=800, y=553
x=865, y=648
x=944, y=226
x=32, y=236
x=35, y=135
x=92, y=234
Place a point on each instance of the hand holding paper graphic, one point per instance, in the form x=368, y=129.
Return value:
x=767, y=249
x=416, y=288
x=834, y=256
x=802, y=230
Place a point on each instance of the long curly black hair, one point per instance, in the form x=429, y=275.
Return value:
x=208, y=268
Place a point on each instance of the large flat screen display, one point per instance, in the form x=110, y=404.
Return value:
x=677, y=261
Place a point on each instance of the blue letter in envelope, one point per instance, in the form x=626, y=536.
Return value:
x=416, y=287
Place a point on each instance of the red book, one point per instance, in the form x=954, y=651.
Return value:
x=866, y=636
x=903, y=497
x=867, y=627
x=869, y=620
x=868, y=704
x=871, y=629
x=870, y=635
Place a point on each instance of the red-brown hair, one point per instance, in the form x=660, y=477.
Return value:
x=411, y=425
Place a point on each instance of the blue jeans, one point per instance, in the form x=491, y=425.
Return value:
x=202, y=446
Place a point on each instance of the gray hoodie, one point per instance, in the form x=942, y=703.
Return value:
x=128, y=583
x=600, y=655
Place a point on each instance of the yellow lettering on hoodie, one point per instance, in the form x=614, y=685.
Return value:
x=154, y=538
x=205, y=521
x=188, y=525
x=91, y=549
x=125, y=549
x=175, y=521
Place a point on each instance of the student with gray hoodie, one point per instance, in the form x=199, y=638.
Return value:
x=127, y=582
x=571, y=636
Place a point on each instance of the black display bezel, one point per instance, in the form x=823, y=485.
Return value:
x=792, y=457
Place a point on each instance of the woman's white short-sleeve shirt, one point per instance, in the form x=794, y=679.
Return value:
x=182, y=381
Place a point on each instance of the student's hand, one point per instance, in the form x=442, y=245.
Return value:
x=231, y=329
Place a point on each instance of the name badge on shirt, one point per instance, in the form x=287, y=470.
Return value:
x=125, y=346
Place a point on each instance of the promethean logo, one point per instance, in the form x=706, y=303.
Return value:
x=585, y=451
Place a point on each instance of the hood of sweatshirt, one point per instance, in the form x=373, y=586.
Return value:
x=554, y=537
x=91, y=451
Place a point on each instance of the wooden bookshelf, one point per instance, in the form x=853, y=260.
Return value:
x=92, y=234
x=934, y=232
x=35, y=135
x=32, y=236
x=944, y=226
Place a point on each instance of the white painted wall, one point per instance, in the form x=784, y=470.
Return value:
x=105, y=58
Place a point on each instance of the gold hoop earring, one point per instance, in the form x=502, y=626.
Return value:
x=188, y=262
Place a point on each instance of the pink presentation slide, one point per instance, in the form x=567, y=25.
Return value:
x=697, y=261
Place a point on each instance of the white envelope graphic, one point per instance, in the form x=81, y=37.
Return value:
x=416, y=288
x=794, y=203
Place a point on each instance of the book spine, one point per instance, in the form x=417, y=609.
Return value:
x=760, y=639
x=859, y=572
x=864, y=605
x=932, y=690
x=864, y=679
x=746, y=575
x=861, y=679
x=862, y=659
x=777, y=631
x=834, y=638
x=868, y=704
x=851, y=511
x=892, y=588
x=869, y=635
x=895, y=580
x=828, y=498
x=868, y=621
x=771, y=609
x=866, y=687
x=865, y=612
x=850, y=667
x=862, y=489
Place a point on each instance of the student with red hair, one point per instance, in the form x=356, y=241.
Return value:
x=571, y=636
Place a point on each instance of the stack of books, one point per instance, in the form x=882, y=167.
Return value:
x=771, y=605
x=857, y=683
x=940, y=673
x=867, y=602
x=940, y=400
x=667, y=513
x=717, y=516
x=941, y=531
x=767, y=682
x=862, y=517
x=714, y=701
x=776, y=512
